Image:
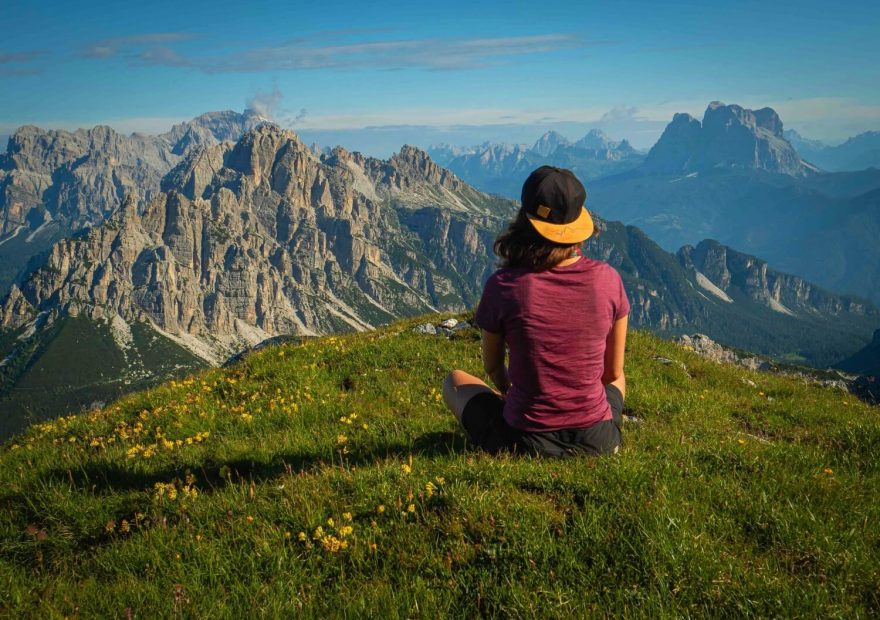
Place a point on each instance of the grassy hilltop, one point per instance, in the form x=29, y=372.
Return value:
x=327, y=479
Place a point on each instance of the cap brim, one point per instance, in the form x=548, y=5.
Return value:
x=573, y=232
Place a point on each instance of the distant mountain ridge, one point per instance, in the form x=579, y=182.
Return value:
x=500, y=168
x=857, y=153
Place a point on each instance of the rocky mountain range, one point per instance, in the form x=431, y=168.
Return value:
x=242, y=242
x=266, y=237
x=500, y=168
x=258, y=238
x=857, y=153
x=54, y=182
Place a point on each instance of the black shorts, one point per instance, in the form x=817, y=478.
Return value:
x=485, y=426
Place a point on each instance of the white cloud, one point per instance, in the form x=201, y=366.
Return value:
x=266, y=103
x=305, y=53
x=106, y=48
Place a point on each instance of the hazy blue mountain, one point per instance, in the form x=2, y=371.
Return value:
x=733, y=177
x=857, y=153
x=549, y=142
x=444, y=153
x=866, y=361
x=729, y=136
x=501, y=168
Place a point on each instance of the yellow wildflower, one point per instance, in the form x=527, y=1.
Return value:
x=347, y=516
x=341, y=439
x=333, y=544
x=829, y=471
x=380, y=508
x=411, y=508
x=406, y=468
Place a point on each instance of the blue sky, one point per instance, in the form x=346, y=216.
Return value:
x=370, y=74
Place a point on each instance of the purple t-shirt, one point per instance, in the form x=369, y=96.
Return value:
x=555, y=324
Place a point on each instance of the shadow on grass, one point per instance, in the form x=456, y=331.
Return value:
x=106, y=478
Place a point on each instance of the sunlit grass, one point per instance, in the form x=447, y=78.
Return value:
x=327, y=479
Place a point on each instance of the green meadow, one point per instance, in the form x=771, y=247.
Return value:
x=327, y=479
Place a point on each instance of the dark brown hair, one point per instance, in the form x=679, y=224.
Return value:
x=521, y=246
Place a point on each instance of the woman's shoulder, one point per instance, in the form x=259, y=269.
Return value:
x=596, y=266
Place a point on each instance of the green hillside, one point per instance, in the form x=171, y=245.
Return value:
x=75, y=362
x=326, y=479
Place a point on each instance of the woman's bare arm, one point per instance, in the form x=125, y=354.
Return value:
x=614, y=349
x=493, y=360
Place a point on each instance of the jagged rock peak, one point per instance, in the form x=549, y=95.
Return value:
x=416, y=164
x=721, y=115
x=729, y=136
x=595, y=139
x=549, y=142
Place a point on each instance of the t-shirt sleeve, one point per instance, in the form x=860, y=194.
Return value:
x=621, y=304
x=488, y=315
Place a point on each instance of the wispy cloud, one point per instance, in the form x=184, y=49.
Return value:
x=620, y=113
x=19, y=63
x=107, y=48
x=305, y=53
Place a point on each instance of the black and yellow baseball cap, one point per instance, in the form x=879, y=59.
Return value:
x=553, y=200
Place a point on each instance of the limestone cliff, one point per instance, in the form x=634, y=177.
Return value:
x=55, y=182
x=262, y=237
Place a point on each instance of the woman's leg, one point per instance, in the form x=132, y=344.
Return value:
x=459, y=387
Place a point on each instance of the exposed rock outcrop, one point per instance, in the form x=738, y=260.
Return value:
x=785, y=293
x=54, y=183
x=730, y=136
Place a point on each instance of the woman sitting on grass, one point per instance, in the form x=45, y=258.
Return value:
x=562, y=317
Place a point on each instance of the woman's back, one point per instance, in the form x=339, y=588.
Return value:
x=555, y=323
